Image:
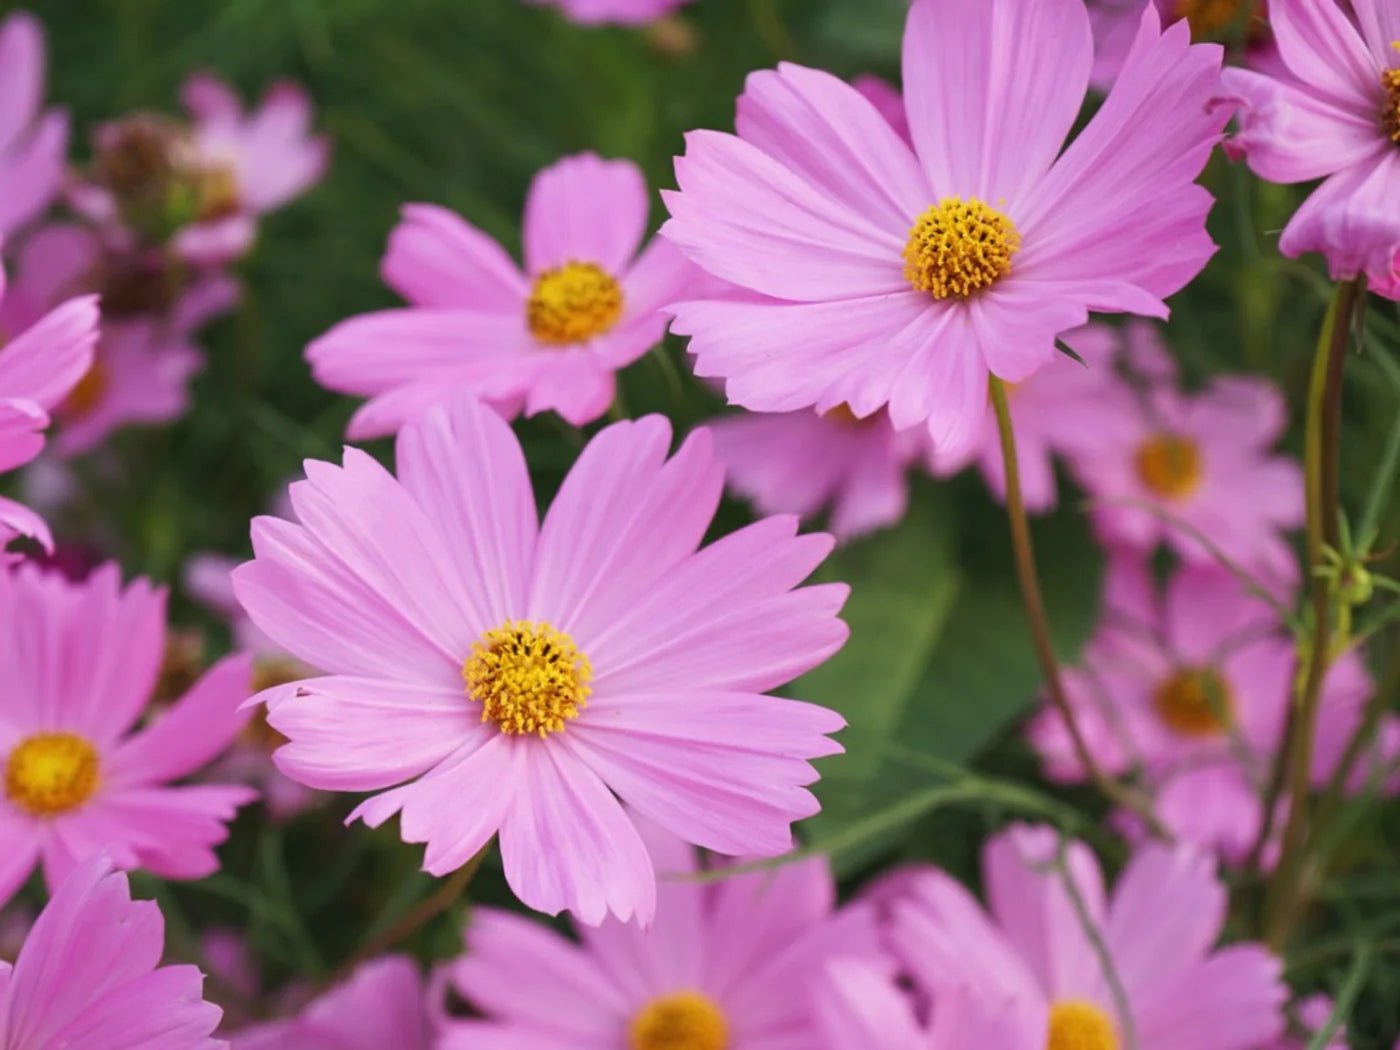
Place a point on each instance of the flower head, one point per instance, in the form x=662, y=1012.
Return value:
x=33, y=141
x=539, y=670
x=1050, y=933
x=80, y=662
x=728, y=965
x=1330, y=112
x=89, y=975
x=885, y=276
x=549, y=338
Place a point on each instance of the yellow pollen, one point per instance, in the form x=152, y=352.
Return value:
x=1390, y=113
x=528, y=678
x=1195, y=702
x=1077, y=1025
x=51, y=773
x=957, y=248
x=1208, y=17
x=1169, y=465
x=573, y=303
x=215, y=192
x=87, y=394
x=682, y=1021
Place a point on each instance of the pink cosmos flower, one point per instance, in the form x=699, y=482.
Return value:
x=208, y=580
x=33, y=141
x=1192, y=688
x=800, y=463
x=626, y=12
x=902, y=278
x=731, y=964
x=540, y=670
x=548, y=338
x=1309, y=1016
x=381, y=1005
x=1039, y=945
x=89, y=976
x=1055, y=411
x=80, y=662
x=1331, y=112
x=1116, y=21
x=1196, y=471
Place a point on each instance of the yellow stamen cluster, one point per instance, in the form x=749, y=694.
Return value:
x=1169, y=466
x=957, y=248
x=683, y=1021
x=1209, y=17
x=51, y=773
x=528, y=678
x=1195, y=702
x=1390, y=114
x=573, y=303
x=1077, y=1025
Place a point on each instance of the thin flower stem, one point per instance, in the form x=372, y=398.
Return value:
x=1321, y=465
x=424, y=912
x=1039, y=623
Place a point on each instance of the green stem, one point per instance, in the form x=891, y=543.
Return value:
x=1034, y=601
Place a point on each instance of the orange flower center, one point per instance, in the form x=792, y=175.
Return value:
x=1077, y=1025
x=1390, y=113
x=957, y=248
x=1195, y=702
x=51, y=773
x=682, y=1021
x=528, y=678
x=1209, y=17
x=1169, y=466
x=573, y=303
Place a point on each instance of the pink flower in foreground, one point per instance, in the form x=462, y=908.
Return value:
x=1192, y=689
x=33, y=142
x=802, y=463
x=902, y=278
x=1196, y=471
x=1036, y=946
x=626, y=12
x=382, y=1005
x=728, y=965
x=1331, y=112
x=89, y=976
x=548, y=339
x=519, y=678
x=79, y=663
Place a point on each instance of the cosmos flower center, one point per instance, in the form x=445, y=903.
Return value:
x=957, y=248
x=1195, y=702
x=51, y=773
x=159, y=178
x=528, y=677
x=683, y=1021
x=1208, y=17
x=573, y=303
x=1169, y=465
x=87, y=393
x=1077, y=1025
x=1390, y=114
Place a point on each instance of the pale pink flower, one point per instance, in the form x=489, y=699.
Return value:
x=89, y=976
x=733, y=964
x=802, y=463
x=1332, y=112
x=536, y=670
x=901, y=278
x=383, y=1004
x=625, y=12
x=33, y=141
x=1197, y=472
x=1191, y=689
x=1048, y=924
x=80, y=662
x=548, y=338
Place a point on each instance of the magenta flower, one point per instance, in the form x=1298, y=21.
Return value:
x=536, y=670
x=902, y=278
x=33, y=141
x=801, y=463
x=625, y=12
x=383, y=1004
x=1331, y=112
x=729, y=965
x=1191, y=689
x=1196, y=471
x=89, y=976
x=80, y=662
x=1031, y=946
x=548, y=339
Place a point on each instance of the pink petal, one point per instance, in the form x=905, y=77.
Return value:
x=1322, y=48
x=572, y=384
x=21, y=75
x=437, y=260
x=1234, y=999
x=32, y=172
x=162, y=1010
x=585, y=209
x=172, y=831
x=1352, y=219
